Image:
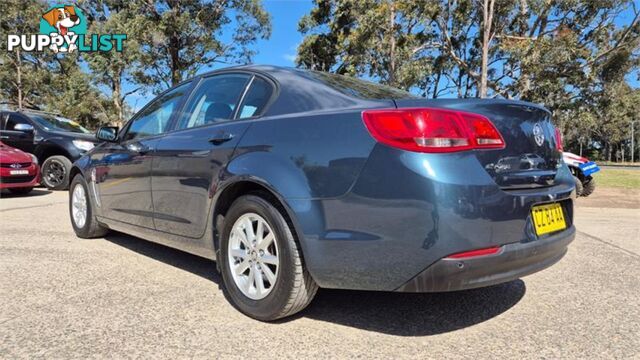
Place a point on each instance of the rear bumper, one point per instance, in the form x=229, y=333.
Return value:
x=407, y=211
x=512, y=262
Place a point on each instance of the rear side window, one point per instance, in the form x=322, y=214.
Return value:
x=356, y=87
x=256, y=98
x=214, y=100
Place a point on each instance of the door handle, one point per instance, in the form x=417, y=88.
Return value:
x=139, y=148
x=221, y=137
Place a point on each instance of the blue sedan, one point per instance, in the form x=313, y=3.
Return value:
x=293, y=180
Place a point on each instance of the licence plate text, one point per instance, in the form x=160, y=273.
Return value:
x=548, y=218
x=19, y=172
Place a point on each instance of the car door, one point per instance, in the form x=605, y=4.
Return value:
x=124, y=168
x=12, y=134
x=188, y=161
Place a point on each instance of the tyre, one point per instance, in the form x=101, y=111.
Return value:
x=579, y=188
x=55, y=172
x=589, y=186
x=21, y=191
x=81, y=211
x=261, y=263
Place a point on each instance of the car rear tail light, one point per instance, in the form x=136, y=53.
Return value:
x=475, y=253
x=432, y=130
x=558, y=140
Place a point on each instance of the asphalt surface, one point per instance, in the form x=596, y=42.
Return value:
x=62, y=297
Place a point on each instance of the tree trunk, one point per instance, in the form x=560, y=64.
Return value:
x=610, y=151
x=118, y=101
x=435, y=86
x=19, y=77
x=392, y=40
x=176, y=66
x=580, y=147
x=487, y=20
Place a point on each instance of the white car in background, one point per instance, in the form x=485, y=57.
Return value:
x=582, y=169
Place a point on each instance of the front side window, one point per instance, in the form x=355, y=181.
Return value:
x=155, y=118
x=14, y=120
x=214, y=100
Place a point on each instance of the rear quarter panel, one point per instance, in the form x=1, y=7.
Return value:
x=309, y=156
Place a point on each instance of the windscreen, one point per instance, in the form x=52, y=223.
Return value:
x=58, y=123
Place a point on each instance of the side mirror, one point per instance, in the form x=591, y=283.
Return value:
x=24, y=128
x=107, y=133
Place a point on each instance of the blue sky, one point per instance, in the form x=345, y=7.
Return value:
x=281, y=48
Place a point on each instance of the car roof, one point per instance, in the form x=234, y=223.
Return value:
x=32, y=111
x=279, y=71
x=253, y=67
x=302, y=90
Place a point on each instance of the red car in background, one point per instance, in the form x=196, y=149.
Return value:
x=19, y=171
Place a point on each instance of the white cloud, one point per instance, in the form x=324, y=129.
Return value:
x=289, y=57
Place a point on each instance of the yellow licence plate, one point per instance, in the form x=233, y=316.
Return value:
x=548, y=218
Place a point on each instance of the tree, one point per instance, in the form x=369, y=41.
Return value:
x=182, y=36
x=23, y=76
x=502, y=46
x=574, y=59
x=488, y=7
x=405, y=43
x=73, y=95
x=113, y=69
x=367, y=37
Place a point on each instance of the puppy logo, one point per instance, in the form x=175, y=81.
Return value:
x=62, y=19
x=63, y=29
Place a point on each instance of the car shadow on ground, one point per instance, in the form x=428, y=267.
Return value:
x=35, y=192
x=194, y=264
x=405, y=314
x=401, y=314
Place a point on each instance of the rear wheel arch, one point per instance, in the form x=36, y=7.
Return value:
x=235, y=190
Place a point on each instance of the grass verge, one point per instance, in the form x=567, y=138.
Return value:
x=618, y=178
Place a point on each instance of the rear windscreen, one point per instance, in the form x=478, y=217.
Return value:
x=358, y=88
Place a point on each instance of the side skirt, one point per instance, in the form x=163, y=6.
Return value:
x=163, y=238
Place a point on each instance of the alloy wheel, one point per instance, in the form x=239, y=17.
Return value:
x=253, y=256
x=79, y=205
x=54, y=173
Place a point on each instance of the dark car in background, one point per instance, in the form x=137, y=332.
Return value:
x=56, y=141
x=293, y=180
